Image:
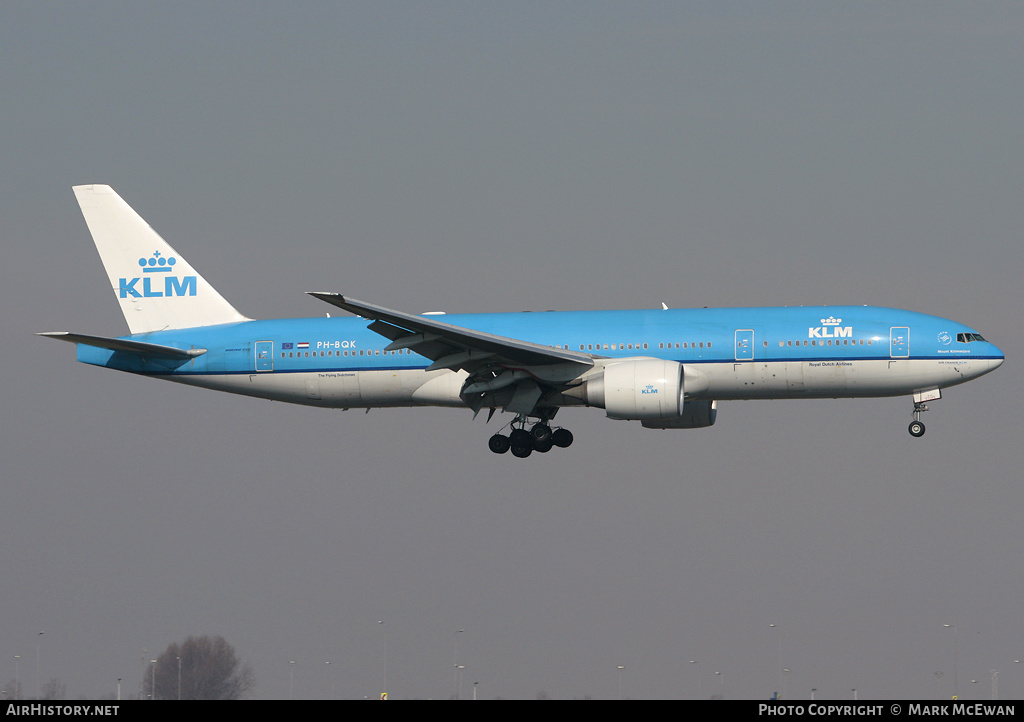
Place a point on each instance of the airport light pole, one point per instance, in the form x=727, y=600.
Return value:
x=455, y=682
x=384, y=630
x=782, y=682
x=142, y=674
x=955, y=645
x=38, y=688
x=458, y=680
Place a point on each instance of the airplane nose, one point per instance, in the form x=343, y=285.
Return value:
x=997, y=358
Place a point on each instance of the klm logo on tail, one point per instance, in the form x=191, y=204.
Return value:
x=172, y=286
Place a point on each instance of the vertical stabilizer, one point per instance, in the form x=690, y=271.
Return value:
x=157, y=288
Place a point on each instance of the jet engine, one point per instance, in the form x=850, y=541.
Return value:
x=649, y=390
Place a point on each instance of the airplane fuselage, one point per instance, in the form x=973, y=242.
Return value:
x=727, y=353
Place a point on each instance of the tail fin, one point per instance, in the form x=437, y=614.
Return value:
x=157, y=288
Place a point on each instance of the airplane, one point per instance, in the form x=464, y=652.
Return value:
x=666, y=368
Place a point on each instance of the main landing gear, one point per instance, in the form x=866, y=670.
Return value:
x=522, y=441
x=916, y=427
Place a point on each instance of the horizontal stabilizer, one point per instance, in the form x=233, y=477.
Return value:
x=121, y=344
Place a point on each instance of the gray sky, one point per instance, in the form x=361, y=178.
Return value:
x=497, y=157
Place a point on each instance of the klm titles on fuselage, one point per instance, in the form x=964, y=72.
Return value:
x=173, y=285
x=830, y=328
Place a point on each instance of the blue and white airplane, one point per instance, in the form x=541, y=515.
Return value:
x=666, y=368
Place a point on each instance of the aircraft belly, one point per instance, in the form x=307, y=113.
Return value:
x=828, y=378
x=339, y=388
x=291, y=388
x=333, y=389
x=387, y=387
x=438, y=388
x=732, y=380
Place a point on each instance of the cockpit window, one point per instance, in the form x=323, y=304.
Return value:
x=968, y=337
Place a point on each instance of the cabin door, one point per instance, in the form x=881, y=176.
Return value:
x=899, y=342
x=264, y=355
x=745, y=344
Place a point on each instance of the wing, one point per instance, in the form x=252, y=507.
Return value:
x=494, y=363
x=453, y=347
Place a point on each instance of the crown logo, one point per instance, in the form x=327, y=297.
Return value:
x=831, y=321
x=157, y=264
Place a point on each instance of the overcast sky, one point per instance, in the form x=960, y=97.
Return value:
x=468, y=156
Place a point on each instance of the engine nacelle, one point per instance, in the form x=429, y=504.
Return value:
x=696, y=415
x=638, y=388
x=649, y=390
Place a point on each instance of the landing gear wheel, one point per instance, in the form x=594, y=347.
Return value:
x=916, y=428
x=523, y=441
x=520, y=437
x=522, y=450
x=540, y=432
x=561, y=438
x=499, y=443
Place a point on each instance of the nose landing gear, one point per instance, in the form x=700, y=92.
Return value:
x=916, y=427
